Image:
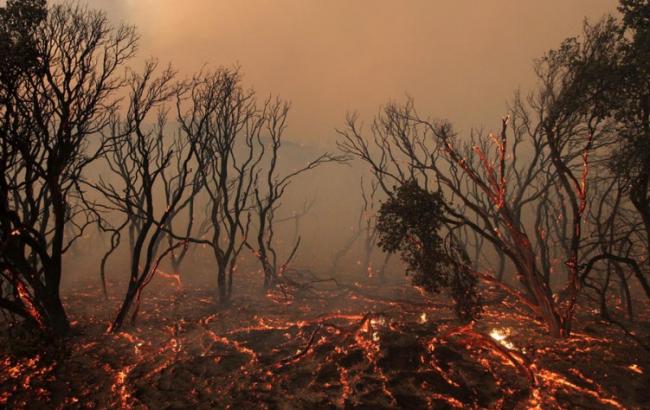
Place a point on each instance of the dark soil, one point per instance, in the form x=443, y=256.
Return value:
x=326, y=350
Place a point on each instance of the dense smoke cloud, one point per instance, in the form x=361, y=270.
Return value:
x=460, y=60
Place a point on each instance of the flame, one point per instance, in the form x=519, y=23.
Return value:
x=378, y=322
x=500, y=335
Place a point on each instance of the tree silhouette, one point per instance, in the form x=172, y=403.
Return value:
x=146, y=161
x=58, y=93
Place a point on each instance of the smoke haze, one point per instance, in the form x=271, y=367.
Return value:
x=460, y=60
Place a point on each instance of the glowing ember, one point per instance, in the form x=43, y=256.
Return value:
x=501, y=336
x=251, y=354
x=120, y=387
x=378, y=322
x=555, y=381
x=27, y=300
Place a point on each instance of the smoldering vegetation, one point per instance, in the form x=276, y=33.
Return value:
x=163, y=244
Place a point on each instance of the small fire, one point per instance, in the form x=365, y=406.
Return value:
x=378, y=322
x=423, y=318
x=501, y=336
x=137, y=347
x=635, y=368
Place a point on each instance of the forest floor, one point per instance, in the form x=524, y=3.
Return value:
x=336, y=348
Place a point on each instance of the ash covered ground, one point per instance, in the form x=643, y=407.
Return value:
x=330, y=346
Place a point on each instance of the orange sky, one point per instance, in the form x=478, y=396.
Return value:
x=459, y=59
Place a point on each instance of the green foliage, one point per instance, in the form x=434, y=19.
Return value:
x=410, y=222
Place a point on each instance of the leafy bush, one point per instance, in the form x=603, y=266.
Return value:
x=410, y=222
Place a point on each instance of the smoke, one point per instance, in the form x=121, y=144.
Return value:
x=460, y=60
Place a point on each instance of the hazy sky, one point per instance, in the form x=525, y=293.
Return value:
x=459, y=59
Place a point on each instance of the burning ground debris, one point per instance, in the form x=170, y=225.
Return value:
x=321, y=353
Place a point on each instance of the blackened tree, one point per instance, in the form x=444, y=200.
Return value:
x=59, y=87
x=146, y=160
x=225, y=121
x=269, y=189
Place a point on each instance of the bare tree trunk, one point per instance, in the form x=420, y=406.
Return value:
x=221, y=284
x=118, y=322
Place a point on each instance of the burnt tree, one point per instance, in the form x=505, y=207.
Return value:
x=146, y=159
x=59, y=87
x=269, y=188
x=224, y=120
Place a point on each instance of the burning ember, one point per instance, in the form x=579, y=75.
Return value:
x=372, y=352
x=501, y=336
